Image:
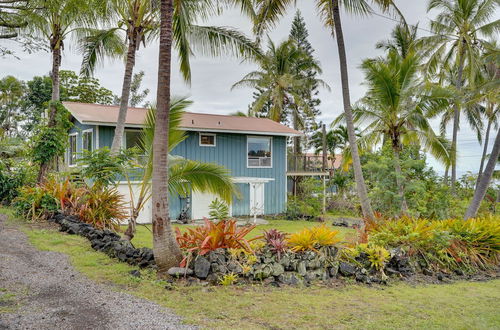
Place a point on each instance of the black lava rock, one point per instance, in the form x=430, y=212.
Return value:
x=201, y=267
x=347, y=269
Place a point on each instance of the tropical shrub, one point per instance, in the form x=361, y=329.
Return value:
x=312, y=239
x=303, y=208
x=102, y=167
x=376, y=255
x=66, y=193
x=104, y=209
x=447, y=245
x=35, y=203
x=276, y=241
x=12, y=180
x=218, y=210
x=211, y=236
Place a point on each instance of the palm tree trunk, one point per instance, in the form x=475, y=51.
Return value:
x=166, y=251
x=356, y=162
x=485, y=150
x=51, y=122
x=127, y=80
x=483, y=184
x=456, y=121
x=399, y=182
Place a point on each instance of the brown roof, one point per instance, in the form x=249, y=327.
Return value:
x=93, y=114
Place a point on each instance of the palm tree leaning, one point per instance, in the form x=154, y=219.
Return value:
x=395, y=109
x=268, y=14
x=139, y=20
x=54, y=21
x=458, y=30
x=485, y=180
x=488, y=93
x=184, y=175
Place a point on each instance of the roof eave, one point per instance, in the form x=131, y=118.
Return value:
x=201, y=129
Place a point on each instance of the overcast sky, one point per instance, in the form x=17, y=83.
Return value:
x=212, y=78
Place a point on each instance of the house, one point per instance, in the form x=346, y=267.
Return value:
x=253, y=149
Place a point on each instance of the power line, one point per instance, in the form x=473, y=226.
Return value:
x=398, y=21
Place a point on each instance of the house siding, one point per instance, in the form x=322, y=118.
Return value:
x=231, y=152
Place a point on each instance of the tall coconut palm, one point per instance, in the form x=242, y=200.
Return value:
x=184, y=175
x=284, y=88
x=458, y=31
x=166, y=251
x=139, y=21
x=280, y=85
x=268, y=14
x=488, y=93
x=395, y=109
x=54, y=21
x=485, y=180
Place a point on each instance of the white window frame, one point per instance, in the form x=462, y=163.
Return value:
x=207, y=145
x=69, y=148
x=91, y=131
x=270, y=145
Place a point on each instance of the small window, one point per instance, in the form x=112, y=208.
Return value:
x=207, y=140
x=72, y=150
x=259, y=152
x=132, y=139
x=87, y=137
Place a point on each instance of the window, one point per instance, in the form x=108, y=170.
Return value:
x=87, y=137
x=259, y=152
x=207, y=140
x=132, y=139
x=72, y=150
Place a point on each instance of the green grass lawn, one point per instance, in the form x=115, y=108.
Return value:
x=143, y=236
x=462, y=305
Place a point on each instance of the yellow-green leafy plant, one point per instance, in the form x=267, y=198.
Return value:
x=311, y=239
x=228, y=279
x=325, y=236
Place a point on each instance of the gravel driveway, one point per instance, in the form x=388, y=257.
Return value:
x=55, y=296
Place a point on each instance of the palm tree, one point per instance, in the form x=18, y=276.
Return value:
x=488, y=94
x=184, y=175
x=280, y=84
x=268, y=14
x=54, y=21
x=283, y=85
x=166, y=251
x=458, y=29
x=138, y=19
x=395, y=109
x=485, y=180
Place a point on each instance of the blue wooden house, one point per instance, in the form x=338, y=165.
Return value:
x=253, y=149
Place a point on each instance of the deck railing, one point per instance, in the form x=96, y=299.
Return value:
x=306, y=163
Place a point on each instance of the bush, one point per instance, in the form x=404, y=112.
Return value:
x=312, y=239
x=454, y=244
x=35, y=203
x=276, y=241
x=212, y=236
x=11, y=181
x=303, y=208
x=218, y=210
x=104, y=209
